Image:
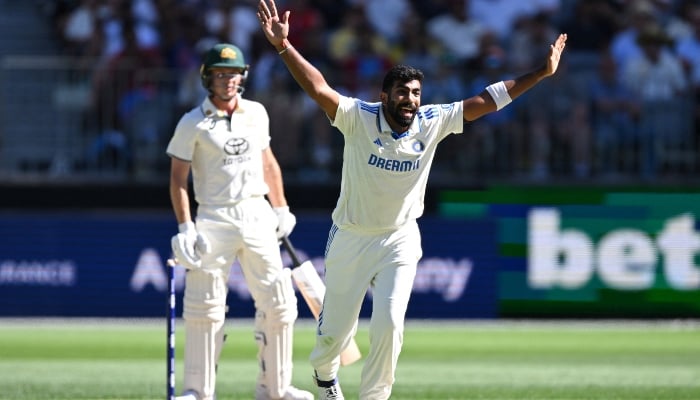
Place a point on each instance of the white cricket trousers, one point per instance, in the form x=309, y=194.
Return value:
x=245, y=230
x=384, y=262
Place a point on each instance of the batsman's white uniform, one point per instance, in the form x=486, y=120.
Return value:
x=227, y=172
x=375, y=239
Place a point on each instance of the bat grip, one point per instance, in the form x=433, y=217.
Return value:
x=291, y=250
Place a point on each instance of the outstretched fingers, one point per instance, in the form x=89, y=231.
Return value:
x=263, y=11
x=273, y=8
x=272, y=22
x=267, y=13
x=555, y=50
x=560, y=43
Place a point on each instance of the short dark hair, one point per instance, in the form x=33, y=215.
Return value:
x=401, y=73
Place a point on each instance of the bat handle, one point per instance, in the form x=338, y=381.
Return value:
x=291, y=250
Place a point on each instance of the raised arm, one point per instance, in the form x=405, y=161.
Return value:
x=499, y=94
x=310, y=79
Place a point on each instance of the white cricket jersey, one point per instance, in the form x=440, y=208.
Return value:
x=226, y=153
x=384, y=174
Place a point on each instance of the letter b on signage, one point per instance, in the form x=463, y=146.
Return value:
x=625, y=258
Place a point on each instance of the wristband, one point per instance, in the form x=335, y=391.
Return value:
x=499, y=93
x=284, y=50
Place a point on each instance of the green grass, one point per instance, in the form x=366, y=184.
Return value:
x=468, y=360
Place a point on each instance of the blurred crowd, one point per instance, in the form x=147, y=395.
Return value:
x=625, y=103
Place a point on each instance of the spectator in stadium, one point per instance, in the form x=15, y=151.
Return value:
x=558, y=117
x=496, y=141
x=457, y=32
x=688, y=49
x=78, y=28
x=590, y=27
x=624, y=45
x=377, y=12
x=122, y=91
x=656, y=77
x=614, y=114
x=502, y=16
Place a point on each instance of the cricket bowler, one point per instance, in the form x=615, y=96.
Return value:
x=374, y=240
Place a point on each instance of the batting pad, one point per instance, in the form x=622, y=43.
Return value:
x=274, y=325
x=200, y=357
x=204, y=312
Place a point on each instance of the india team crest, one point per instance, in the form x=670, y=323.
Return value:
x=418, y=146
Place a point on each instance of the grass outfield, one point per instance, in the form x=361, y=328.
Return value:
x=125, y=359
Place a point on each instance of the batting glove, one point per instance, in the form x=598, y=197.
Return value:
x=188, y=245
x=285, y=221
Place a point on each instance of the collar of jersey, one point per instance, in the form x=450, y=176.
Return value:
x=209, y=109
x=384, y=127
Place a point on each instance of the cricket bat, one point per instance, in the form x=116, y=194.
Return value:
x=313, y=289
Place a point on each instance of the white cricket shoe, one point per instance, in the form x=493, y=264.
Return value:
x=292, y=393
x=329, y=390
x=330, y=393
x=188, y=395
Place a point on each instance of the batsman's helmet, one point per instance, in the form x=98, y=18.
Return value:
x=222, y=55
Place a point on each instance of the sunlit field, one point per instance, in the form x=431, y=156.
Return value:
x=125, y=359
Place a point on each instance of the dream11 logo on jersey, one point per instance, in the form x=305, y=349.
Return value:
x=624, y=259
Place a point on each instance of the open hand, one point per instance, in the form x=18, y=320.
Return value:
x=555, y=51
x=275, y=29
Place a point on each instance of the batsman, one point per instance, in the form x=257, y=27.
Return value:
x=241, y=214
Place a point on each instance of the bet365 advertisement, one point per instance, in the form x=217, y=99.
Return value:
x=499, y=252
x=591, y=252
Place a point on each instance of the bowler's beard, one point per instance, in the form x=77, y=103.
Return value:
x=394, y=111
